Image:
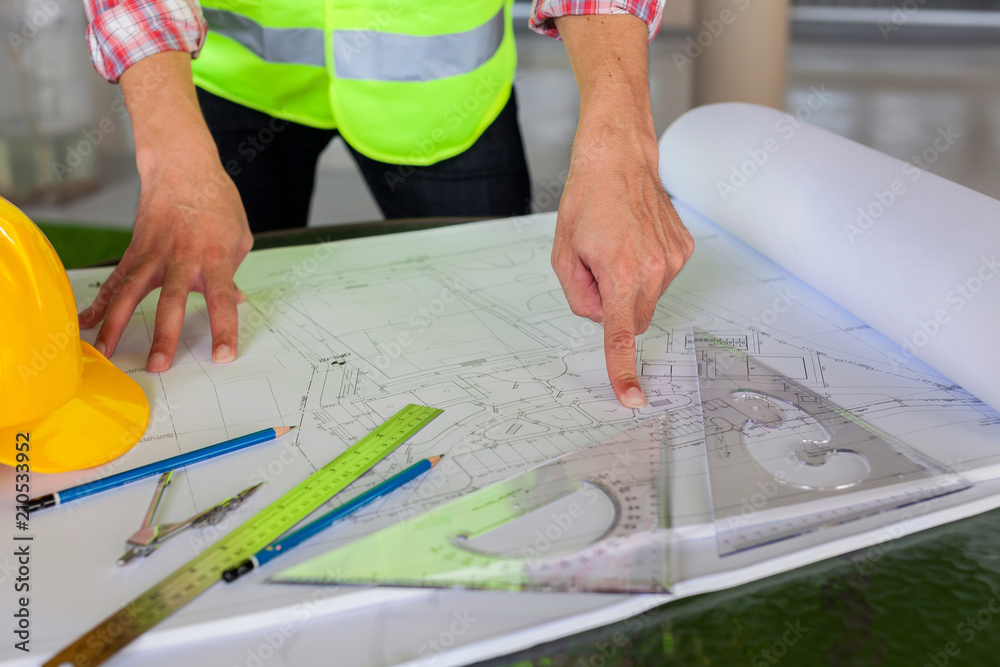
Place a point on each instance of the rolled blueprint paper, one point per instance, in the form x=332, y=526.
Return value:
x=913, y=255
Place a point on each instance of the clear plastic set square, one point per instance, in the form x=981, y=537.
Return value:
x=783, y=462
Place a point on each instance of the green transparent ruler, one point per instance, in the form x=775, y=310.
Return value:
x=530, y=532
x=179, y=588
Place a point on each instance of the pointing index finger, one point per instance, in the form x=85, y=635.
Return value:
x=619, y=351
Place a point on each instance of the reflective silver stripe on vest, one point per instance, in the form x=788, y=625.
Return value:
x=296, y=46
x=386, y=56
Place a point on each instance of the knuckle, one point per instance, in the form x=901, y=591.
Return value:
x=621, y=341
x=220, y=292
x=560, y=261
x=213, y=255
x=656, y=265
x=688, y=246
x=171, y=301
x=589, y=312
x=174, y=293
x=675, y=265
x=123, y=287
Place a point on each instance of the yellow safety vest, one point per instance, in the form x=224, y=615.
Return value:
x=404, y=81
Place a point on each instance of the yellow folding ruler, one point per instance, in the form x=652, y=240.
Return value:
x=179, y=588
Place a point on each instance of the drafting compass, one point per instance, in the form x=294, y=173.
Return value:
x=150, y=536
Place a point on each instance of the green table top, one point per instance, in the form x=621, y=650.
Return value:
x=931, y=598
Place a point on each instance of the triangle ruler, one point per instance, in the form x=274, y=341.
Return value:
x=591, y=520
x=784, y=461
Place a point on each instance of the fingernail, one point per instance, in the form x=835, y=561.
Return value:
x=100, y=347
x=223, y=354
x=157, y=363
x=634, y=398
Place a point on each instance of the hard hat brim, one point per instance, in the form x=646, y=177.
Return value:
x=106, y=418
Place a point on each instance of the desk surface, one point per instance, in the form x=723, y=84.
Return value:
x=893, y=605
x=896, y=603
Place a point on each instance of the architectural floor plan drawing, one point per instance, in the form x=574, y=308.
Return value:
x=336, y=338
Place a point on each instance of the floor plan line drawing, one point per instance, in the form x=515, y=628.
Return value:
x=470, y=320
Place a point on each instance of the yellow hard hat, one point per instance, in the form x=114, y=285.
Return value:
x=63, y=406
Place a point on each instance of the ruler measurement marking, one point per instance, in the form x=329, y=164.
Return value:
x=205, y=569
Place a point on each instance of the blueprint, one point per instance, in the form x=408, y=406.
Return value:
x=336, y=338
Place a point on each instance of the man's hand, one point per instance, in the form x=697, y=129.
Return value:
x=619, y=243
x=191, y=231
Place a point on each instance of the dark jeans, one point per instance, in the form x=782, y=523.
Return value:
x=273, y=163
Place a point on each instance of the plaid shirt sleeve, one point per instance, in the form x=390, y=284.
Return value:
x=543, y=12
x=123, y=32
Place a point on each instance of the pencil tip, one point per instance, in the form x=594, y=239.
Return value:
x=434, y=459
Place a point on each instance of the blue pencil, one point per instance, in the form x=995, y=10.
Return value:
x=280, y=546
x=174, y=462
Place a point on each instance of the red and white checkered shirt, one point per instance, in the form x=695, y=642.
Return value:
x=544, y=11
x=123, y=32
